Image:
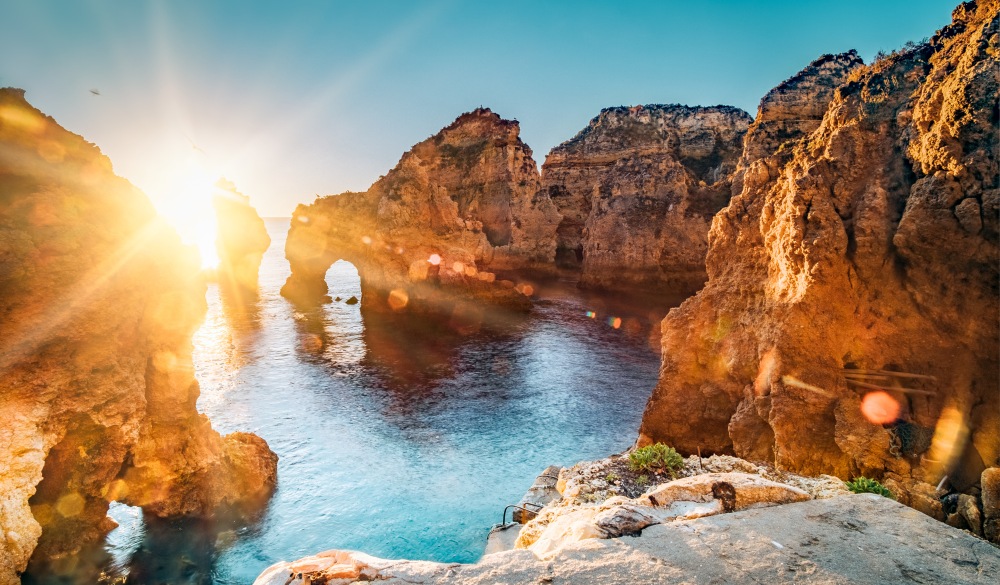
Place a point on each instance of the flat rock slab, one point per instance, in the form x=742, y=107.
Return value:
x=860, y=538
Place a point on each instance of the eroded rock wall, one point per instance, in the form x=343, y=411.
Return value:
x=637, y=189
x=873, y=247
x=98, y=304
x=457, y=207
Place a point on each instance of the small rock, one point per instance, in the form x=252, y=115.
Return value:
x=990, y=481
x=352, y=301
x=623, y=520
x=969, y=510
x=923, y=497
x=969, y=215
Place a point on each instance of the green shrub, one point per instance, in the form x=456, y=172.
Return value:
x=642, y=481
x=656, y=457
x=864, y=485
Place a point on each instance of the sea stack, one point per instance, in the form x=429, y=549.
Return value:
x=241, y=238
x=432, y=232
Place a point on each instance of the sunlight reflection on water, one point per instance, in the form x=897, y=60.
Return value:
x=395, y=437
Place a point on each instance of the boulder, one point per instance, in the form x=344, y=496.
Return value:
x=991, y=504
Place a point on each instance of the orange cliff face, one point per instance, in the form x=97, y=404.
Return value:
x=866, y=240
x=637, y=189
x=428, y=235
x=99, y=301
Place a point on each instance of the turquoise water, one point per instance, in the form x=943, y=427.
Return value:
x=395, y=437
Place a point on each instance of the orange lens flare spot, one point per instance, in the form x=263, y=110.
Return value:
x=398, y=299
x=591, y=315
x=435, y=259
x=879, y=408
x=525, y=289
x=366, y=240
x=70, y=505
x=615, y=322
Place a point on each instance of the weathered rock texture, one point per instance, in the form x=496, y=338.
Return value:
x=637, y=189
x=98, y=303
x=458, y=206
x=869, y=243
x=241, y=238
x=849, y=539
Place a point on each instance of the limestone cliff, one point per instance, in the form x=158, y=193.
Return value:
x=848, y=271
x=241, y=238
x=98, y=303
x=458, y=206
x=637, y=189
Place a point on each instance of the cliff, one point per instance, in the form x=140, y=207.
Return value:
x=850, y=321
x=98, y=303
x=637, y=189
x=430, y=233
x=241, y=238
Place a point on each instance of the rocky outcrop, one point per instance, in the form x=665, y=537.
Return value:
x=850, y=321
x=849, y=539
x=432, y=232
x=637, y=189
x=98, y=304
x=790, y=112
x=241, y=238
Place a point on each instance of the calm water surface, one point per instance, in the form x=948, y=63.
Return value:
x=394, y=438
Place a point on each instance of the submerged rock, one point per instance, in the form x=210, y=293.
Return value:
x=99, y=301
x=637, y=189
x=431, y=234
x=850, y=322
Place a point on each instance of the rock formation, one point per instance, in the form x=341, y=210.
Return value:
x=637, y=189
x=675, y=532
x=858, y=260
x=98, y=303
x=241, y=238
x=457, y=207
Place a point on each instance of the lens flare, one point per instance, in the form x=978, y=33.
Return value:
x=879, y=408
x=435, y=259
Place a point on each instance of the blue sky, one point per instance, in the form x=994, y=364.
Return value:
x=294, y=99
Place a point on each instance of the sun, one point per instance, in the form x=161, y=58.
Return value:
x=185, y=201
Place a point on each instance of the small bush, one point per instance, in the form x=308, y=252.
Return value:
x=864, y=485
x=642, y=481
x=612, y=477
x=656, y=457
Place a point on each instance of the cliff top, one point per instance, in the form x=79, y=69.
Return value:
x=651, y=123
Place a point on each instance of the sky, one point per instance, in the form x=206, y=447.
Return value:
x=290, y=100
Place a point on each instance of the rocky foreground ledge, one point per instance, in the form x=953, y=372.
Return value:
x=860, y=538
x=722, y=520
